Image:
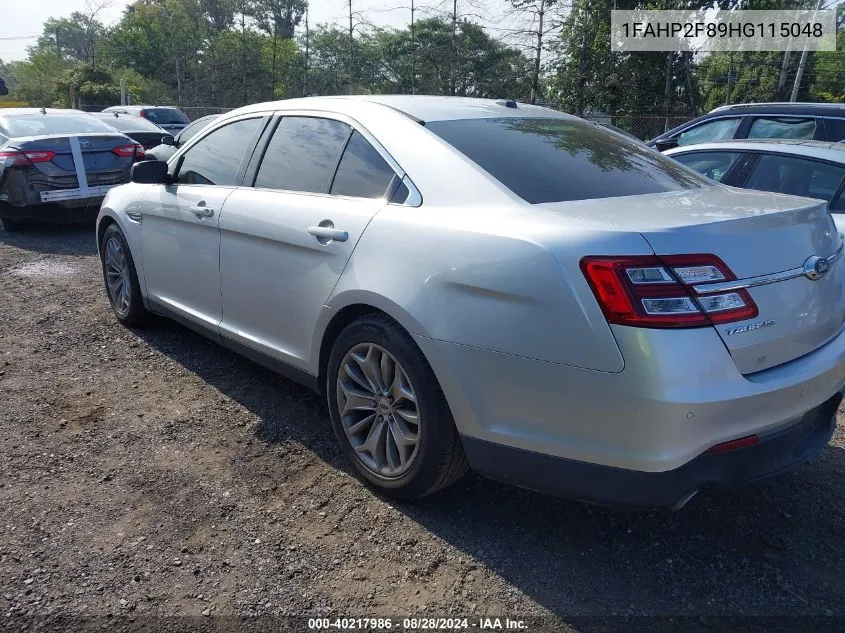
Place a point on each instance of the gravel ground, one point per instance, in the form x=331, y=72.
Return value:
x=153, y=472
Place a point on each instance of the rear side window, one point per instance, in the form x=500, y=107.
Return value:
x=711, y=164
x=717, y=130
x=165, y=116
x=784, y=127
x=303, y=154
x=552, y=160
x=362, y=172
x=216, y=159
x=797, y=176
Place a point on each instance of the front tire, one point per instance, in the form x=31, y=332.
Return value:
x=389, y=413
x=120, y=278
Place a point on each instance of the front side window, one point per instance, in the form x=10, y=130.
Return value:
x=714, y=165
x=553, y=160
x=362, y=171
x=784, y=127
x=303, y=154
x=796, y=176
x=717, y=130
x=192, y=129
x=216, y=159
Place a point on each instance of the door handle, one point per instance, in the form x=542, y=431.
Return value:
x=328, y=233
x=202, y=211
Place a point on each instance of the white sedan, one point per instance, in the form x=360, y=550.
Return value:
x=815, y=169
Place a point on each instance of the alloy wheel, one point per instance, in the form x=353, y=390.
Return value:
x=117, y=275
x=378, y=409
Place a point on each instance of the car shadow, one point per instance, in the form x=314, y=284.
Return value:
x=776, y=548
x=72, y=239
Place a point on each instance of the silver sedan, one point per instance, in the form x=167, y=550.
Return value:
x=496, y=286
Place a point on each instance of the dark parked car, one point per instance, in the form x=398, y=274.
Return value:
x=3, y=89
x=166, y=150
x=58, y=164
x=803, y=121
x=144, y=131
x=168, y=118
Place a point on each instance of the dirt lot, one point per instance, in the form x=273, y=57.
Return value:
x=153, y=472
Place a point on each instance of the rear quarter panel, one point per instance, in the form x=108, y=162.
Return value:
x=442, y=277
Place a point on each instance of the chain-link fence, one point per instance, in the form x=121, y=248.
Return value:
x=193, y=112
x=647, y=127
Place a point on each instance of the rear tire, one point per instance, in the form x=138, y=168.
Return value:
x=120, y=278
x=389, y=413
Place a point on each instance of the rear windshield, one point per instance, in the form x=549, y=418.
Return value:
x=165, y=116
x=129, y=123
x=553, y=160
x=41, y=124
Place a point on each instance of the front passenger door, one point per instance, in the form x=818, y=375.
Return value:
x=180, y=240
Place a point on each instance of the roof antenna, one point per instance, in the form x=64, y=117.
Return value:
x=43, y=110
x=508, y=103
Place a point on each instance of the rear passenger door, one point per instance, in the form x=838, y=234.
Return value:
x=286, y=239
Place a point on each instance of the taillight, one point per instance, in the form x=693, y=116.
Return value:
x=143, y=114
x=650, y=291
x=13, y=158
x=135, y=150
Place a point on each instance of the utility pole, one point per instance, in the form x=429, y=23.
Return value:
x=122, y=92
x=800, y=74
x=730, y=77
x=535, y=80
x=413, y=54
x=351, y=43
x=307, y=51
x=454, y=49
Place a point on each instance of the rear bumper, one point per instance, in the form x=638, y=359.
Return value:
x=776, y=452
x=82, y=211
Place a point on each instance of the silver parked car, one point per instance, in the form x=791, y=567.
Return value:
x=493, y=285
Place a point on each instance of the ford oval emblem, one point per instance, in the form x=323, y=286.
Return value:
x=815, y=267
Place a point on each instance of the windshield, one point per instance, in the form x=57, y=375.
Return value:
x=167, y=116
x=129, y=123
x=553, y=160
x=43, y=124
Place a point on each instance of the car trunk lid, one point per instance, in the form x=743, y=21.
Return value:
x=766, y=240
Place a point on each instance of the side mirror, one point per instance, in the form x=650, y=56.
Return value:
x=150, y=172
x=666, y=143
x=168, y=140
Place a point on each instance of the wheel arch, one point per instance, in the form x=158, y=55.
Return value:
x=103, y=222
x=346, y=308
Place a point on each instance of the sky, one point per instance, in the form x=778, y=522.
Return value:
x=21, y=20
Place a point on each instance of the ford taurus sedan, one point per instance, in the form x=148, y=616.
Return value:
x=496, y=286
